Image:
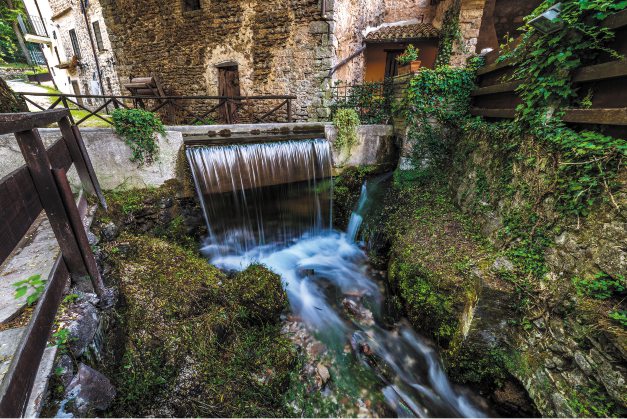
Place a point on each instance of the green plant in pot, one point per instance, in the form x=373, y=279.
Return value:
x=408, y=60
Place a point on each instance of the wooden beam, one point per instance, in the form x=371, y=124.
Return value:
x=496, y=88
x=614, y=116
x=494, y=113
x=26, y=121
x=18, y=381
x=601, y=71
x=493, y=67
x=615, y=21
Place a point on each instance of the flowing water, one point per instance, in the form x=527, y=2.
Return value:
x=287, y=227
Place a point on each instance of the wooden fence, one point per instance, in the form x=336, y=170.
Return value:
x=225, y=109
x=39, y=185
x=495, y=96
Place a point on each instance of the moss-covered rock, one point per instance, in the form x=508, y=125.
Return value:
x=190, y=346
x=260, y=291
x=433, y=259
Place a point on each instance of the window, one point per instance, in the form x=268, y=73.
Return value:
x=98, y=36
x=189, y=5
x=75, y=47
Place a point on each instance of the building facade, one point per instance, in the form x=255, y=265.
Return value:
x=75, y=43
x=271, y=47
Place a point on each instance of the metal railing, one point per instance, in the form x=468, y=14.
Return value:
x=371, y=100
x=32, y=25
x=180, y=110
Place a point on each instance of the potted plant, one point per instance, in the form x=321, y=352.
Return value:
x=408, y=60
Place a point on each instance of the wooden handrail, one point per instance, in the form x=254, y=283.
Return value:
x=26, y=121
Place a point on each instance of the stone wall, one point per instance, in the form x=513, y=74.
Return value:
x=280, y=48
x=470, y=17
x=571, y=356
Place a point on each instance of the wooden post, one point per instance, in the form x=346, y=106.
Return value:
x=289, y=110
x=38, y=164
x=74, y=141
x=65, y=104
x=78, y=229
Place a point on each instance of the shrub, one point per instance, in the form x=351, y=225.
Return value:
x=138, y=128
x=346, y=122
x=410, y=54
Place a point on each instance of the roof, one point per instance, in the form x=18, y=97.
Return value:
x=398, y=33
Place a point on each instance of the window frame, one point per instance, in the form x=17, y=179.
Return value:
x=76, y=48
x=95, y=25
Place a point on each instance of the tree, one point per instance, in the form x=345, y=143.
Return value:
x=9, y=101
x=10, y=36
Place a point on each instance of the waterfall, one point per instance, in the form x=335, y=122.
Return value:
x=272, y=204
x=264, y=194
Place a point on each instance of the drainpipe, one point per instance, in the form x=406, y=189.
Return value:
x=93, y=48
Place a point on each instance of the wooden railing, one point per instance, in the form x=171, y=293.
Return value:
x=226, y=109
x=39, y=185
x=495, y=96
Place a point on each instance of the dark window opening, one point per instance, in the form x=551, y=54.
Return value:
x=98, y=36
x=189, y=5
x=75, y=46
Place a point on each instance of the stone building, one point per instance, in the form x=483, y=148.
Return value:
x=300, y=47
x=83, y=48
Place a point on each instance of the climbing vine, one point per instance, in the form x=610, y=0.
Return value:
x=434, y=101
x=138, y=129
x=449, y=34
x=346, y=121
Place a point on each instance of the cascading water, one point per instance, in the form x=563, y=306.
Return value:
x=287, y=227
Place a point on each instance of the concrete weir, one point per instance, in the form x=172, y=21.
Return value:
x=111, y=156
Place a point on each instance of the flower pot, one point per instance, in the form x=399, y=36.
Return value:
x=412, y=67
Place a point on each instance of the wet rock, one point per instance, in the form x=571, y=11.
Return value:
x=64, y=369
x=322, y=374
x=562, y=409
x=109, y=232
x=356, y=310
x=502, y=264
x=92, y=238
x=583, y=363
x=83, y=329
x=89, y=391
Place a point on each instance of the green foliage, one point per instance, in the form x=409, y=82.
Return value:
x=8, y=40
x=410, y=54
x=449, y=34
x=70, y=298
x=591, y=401
x=138, y=128
x=588, y=161
x=601, y=286
x=34, y=283
x=346, y=121
x=620, y=316
x=61, y=338
x=436, y=101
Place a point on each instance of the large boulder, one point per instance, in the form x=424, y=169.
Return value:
x=89, y=392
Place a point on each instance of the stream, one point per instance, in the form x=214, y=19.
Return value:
x=330, y=285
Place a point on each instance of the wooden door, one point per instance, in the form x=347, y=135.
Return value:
x=228, y=85
x=77, y=91
x=391, y=65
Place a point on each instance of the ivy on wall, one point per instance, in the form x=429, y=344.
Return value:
x=449, y=34
x=139, y=128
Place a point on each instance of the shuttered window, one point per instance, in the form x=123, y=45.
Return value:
x=98, y=36
x=75, y=46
